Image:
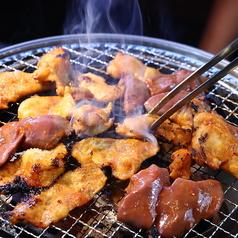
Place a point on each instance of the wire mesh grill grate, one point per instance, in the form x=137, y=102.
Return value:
x=98, y=217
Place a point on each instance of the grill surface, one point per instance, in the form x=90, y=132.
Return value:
x=98, y=217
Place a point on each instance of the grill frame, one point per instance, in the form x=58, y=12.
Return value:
x=86, y=51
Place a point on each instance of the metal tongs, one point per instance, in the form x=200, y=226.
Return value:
x=201, y=88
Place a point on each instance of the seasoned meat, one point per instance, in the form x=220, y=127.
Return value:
x=137, y=127
x=184, y=203
x=138, y=206
x=124, y=156
x=17, y=84
x=75, y=188
x=100, y=89
x=90, y=120
x=36, y=167
x=123, y=65
x=181, y=164
x=54, y=66
x=42, y=132
x=214, y=143
x=136, y=93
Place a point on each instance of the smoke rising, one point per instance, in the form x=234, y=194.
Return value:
x=104, y=16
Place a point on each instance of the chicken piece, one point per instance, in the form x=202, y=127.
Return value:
x=35, y=168
x=28, y=107
x=214, y=144
x=137, y=127
x=123, y=65
x=54, y=66
x=124, y=156
x=137, y=208
x=184, y=203
x=172, y=133
x=17, y=84
x=90, y=120
x=42, y=132
x=136, y=93
x=75, y=188
x=100, y=89
x=181, y=164
x=46, y=105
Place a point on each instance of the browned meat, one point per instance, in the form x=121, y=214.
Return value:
x=35, y=168
x=91, y=120
x=17, y=84
x=172, y=133
x=182, y=162
x=124, y=156
x=214, y=143
x=152, y=101
x=123, y=65
x=100, y=89
x=75, y=188
x=136, y=93
x=137, y=127
x=42, y=132
x=54, y=66
x=185, y=203
x=138, y=206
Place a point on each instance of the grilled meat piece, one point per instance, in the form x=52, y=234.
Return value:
x=138, y=206
x=214, y=143
x=54, y=66
x=137, y=127
x=36, y=167
x=175, y=208
x=124, y=156
x=100, y=89
x=90, y=120
x=184, y=203
x=181, y=164
x=42, y=132
x=136, y=93
x=17, y=84
x=75, y=188
x=123, y=65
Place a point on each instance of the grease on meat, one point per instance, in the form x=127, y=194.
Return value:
x=124, y=156
x=123, y=65
x=35, y=168
x=75, y=188
x=90, y=120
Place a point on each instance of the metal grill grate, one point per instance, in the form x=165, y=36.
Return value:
x=98, y=217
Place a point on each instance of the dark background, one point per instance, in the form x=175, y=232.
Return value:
x=177, y=20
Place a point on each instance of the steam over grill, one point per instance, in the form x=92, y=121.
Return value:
x=98, y=217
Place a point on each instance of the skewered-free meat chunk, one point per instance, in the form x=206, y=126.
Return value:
x=175, y=208
x=124, y=156
x=90, y=120
x=136, y=93
x=75, y=188
x=138, y=206
x=54, y=66
x=17, y=84
x=42, y=132
x=214, y=143
x=184, y=203
x=100, y=89
x=123, y=65
x=35, y=168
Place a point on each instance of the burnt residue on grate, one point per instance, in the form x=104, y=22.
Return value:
x=98, y=217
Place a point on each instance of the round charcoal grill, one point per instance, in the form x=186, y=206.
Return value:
x=91, y=53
